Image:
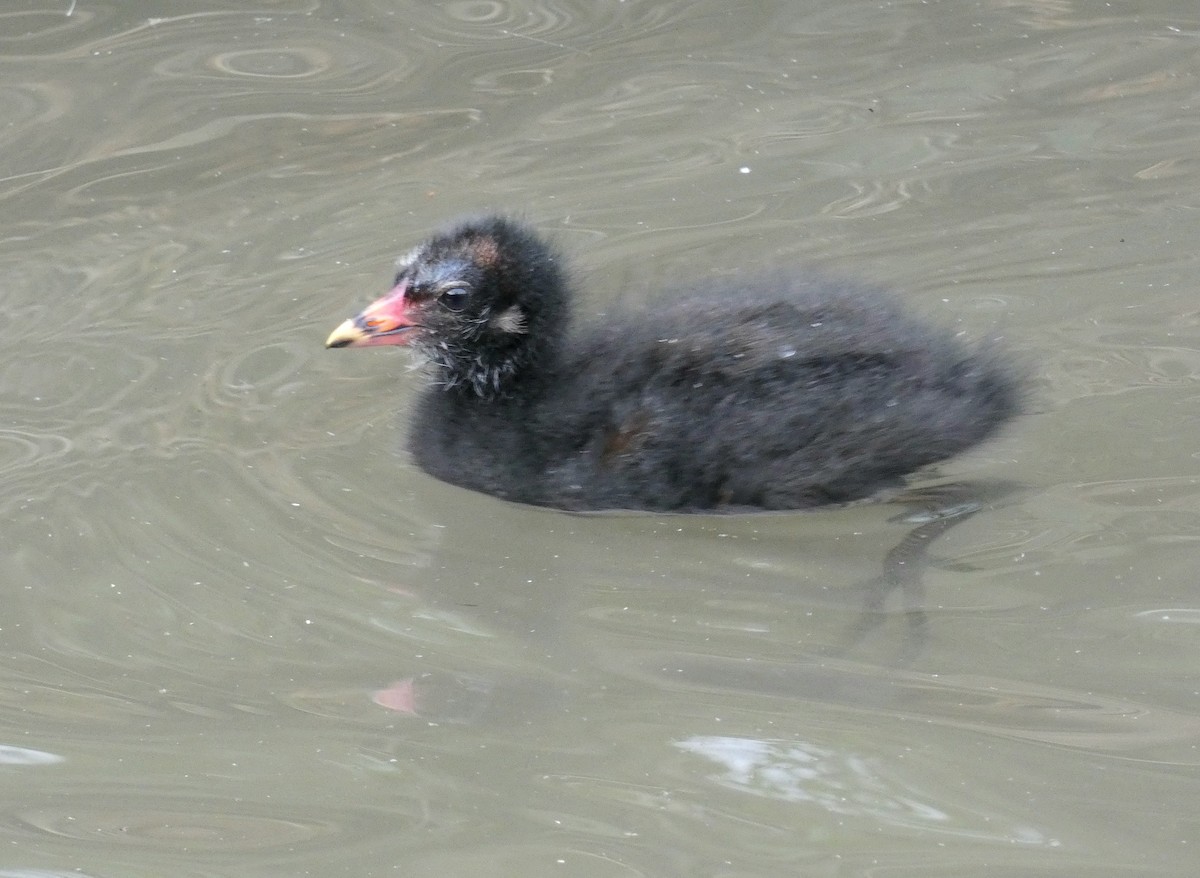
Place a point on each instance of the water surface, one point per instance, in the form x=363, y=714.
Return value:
x=244, y=635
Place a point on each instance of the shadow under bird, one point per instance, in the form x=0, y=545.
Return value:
x=784, y=392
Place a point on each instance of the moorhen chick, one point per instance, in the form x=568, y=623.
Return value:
x=782, y=394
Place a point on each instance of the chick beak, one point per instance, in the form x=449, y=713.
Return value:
x=384, y=321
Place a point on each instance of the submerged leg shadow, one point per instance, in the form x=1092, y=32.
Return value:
x=933, y=511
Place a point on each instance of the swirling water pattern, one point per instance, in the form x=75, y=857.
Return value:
x=218, y=560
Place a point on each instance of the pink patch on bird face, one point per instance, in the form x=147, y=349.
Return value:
x=400, y=697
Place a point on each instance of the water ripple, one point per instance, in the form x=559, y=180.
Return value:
x=282, y=63
x=196, y=827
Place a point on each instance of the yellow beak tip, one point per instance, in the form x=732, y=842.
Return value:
x=344, y=336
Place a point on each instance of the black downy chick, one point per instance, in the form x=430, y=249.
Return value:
x=783, y=394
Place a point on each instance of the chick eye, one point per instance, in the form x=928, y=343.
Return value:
x=455, y=298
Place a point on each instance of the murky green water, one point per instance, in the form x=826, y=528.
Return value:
x=242, y=635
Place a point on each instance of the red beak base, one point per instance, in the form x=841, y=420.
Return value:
x=385, y=321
